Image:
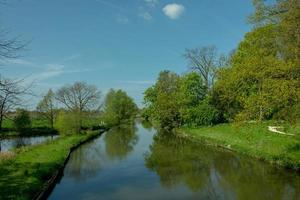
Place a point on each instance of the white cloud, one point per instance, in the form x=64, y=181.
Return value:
x=173, y=11
x=146, y=16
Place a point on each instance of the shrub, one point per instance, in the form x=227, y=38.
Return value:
x=22, y=120
x=203, y=114
x=67, y=123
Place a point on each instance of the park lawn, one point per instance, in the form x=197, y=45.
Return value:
x=23, y=175
x=253, y=139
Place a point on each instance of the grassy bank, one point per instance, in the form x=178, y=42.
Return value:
x=23, y=173
x=254, y=140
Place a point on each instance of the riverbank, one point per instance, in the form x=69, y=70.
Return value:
x=253, y=139
x=26, y=172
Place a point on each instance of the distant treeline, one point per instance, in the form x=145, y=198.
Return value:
x=70, y=109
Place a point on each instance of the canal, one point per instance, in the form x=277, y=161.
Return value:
x=137, y=162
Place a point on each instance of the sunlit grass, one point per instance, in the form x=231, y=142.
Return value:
x=255, y=140
x=24, y=174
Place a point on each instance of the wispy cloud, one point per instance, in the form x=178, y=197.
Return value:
x=152, y=3
x=111, y=5
x=51, y=71
x=122, y=19
x=146, y=16
x=173, y=11
x=72, y=57
x=20, y=62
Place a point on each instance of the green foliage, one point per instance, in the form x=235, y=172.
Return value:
x=46, y=108
x=22, y=121
x=68, y=123
x=119, y=108
x=259, y=84
x=179, y=100
x=162, y=103
x=204, y=114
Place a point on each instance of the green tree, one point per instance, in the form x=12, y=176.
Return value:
x=260, y=82
x=192, y=91
x=22, y=120
x=46, y=108
x=67, y=123
x=118, y=108
x=162, y=104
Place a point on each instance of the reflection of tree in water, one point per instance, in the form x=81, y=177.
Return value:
x=217, y=174
x=175, y=161
x=120, y=141
x=250, y=178
x=85, y=161
x=19, y=142
x=146, y=125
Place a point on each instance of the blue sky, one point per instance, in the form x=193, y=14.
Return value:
x=116, y=43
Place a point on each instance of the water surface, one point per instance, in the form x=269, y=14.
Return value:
x=136, y=162
x=17, y=142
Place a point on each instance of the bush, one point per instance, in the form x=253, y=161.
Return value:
x=22, y=120
x=67, y=123
x=203, y=114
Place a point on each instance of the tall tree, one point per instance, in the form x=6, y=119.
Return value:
x=162, y=100
x=118, y=108
x=79, y=97
x=46, y=107
x=206, y=62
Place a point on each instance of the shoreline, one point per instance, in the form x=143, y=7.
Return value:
x=287, y=156
x=51, y=183
x=39, y=167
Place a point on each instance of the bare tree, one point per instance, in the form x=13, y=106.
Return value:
x=11, y=93
x=10, y=47
x=79, y=97
x=206, y=62
x=203, y=61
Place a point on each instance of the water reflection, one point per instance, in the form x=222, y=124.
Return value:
x=120, y=141
x=136, y=162
x=17, y=142
x=214, y=174
x=85, y=162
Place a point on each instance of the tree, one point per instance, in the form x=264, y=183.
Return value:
x=206, y=62
x=46, y=107
x=11, y=93
x=162, y=102
x=79, y=97
x=68, y=122
x=191, y=92
x=285, y=14
x=22, y=121
x=260, y=82
x=118, y=108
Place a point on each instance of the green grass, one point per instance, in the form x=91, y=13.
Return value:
x=23, y=175
x=255, y=140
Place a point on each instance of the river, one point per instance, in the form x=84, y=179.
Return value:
x=136, y=162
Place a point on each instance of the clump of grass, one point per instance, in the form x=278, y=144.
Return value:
x=6, y=156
